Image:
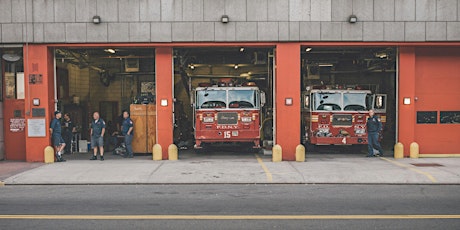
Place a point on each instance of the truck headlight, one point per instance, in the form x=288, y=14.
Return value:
x=246, y=119
x=208, y=119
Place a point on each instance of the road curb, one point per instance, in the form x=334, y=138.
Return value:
x=178, y=184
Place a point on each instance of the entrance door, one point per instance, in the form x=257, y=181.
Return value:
x=14, y=114
x=437, y=101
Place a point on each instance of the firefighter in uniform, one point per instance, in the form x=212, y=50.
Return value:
x=97, y=135
x=127, y=132
x=56, y=137
x=374, y=126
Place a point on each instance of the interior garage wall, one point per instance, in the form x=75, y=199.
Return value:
x=78, y=82
x=64, y=21
x=436, y=87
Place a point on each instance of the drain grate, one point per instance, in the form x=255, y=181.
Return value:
x=427, y=165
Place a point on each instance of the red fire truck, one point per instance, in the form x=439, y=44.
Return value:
x=337, y=116
x=225, y=113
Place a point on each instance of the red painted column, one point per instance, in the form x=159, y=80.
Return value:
x=287, y=86
x=164, y=91
x=406, y=113
x=38, y=61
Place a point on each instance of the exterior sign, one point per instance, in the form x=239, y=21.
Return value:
x=17, y=124
x=36, y=127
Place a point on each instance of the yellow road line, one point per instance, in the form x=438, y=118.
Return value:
x=226, y=217
x=264, y=167
x=429, y=176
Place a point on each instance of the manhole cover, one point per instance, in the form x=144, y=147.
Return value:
x=427, y=165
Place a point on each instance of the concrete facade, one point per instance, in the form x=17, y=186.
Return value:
x=70, y=21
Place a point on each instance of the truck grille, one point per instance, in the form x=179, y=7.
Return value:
x=227, y=118
x=342, y=119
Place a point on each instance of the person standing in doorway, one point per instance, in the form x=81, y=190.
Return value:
x=127, y=132
x=56, y=137
x=67, y=134
x=374, y=126
x=97, y=136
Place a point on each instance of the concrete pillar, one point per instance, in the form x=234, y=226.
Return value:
x=173, y=152
x=277, y=153
x=399, y=150
x=49, y=154
x=300, y=153
x=414, y=150
x=157, y=153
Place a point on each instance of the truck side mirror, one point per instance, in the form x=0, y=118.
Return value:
x=263, y=100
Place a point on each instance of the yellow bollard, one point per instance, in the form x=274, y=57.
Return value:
x=157, y=152
x=49, y=154
x=414, y=150
x=173, y=152
x=300, y=153
x=399, y=150
x=277, y=153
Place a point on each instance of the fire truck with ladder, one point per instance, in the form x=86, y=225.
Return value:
x=227, y=113
x=338, y=115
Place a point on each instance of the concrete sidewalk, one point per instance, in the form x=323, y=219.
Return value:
x=243, y=168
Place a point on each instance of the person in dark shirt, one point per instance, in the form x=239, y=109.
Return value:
x=374, y=126
x=56, y=137
x=68, y=128
x=127, y=132
x=97, y=136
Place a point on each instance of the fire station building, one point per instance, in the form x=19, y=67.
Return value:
x=81, y=56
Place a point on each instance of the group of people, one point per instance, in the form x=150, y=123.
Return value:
x=97, y=132
x=373, y=125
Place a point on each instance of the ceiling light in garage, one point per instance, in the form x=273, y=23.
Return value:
x=112, y=51
x=191, y=66
x=242, y=49
x=236, y=66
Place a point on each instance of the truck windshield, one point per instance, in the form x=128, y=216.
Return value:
x=354, y=101
x=209, y=99
x=328, y=101
x=242, y=99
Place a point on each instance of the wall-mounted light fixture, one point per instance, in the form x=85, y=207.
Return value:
x=96, y=19
x=36, y=101
x=406, y=101
x=164, y=102
x=235, y=66
x=224, y=19
x=352, y=19
x=288, y=101
x=191, y=66
x=308, y=49
x=241, y=49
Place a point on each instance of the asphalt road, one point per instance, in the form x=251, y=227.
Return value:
x=230, y=207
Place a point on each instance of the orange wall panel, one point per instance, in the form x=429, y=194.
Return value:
x=164, y=84
x=38, y=60
x=288, y=86
x=406, y=113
